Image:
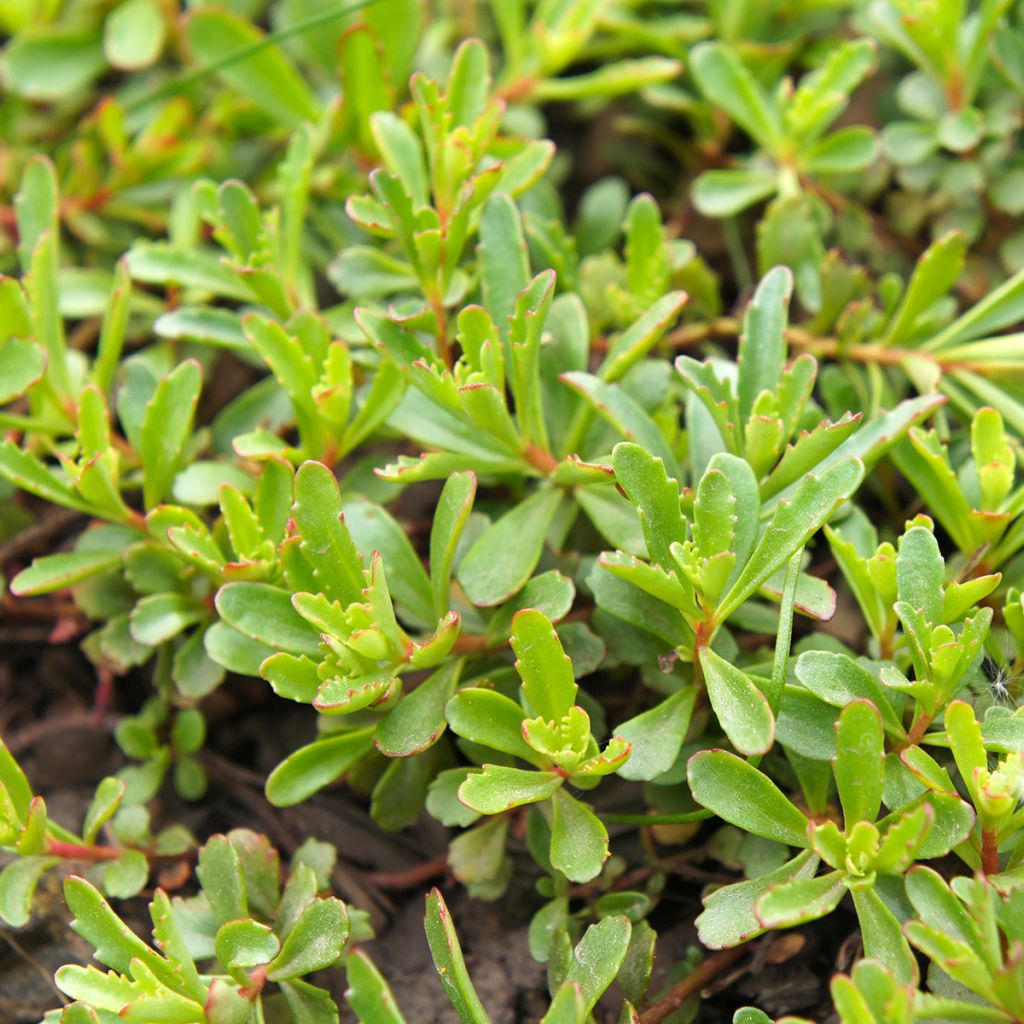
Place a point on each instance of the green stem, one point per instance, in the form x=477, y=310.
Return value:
x=656, y=819
x=578, y=429
x=737, y=254
x=784, y=637
x=12, y=421
x=180, y=84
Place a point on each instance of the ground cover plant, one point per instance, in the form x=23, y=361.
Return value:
x=557, y=461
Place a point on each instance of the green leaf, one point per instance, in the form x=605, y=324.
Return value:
x=326, y=542
x=159, y=617
x=25, y=470
x=883, y=936
x=656, y=736
x=655, y=494
x=418, y=720
x=750, y=1015
x=105, y=802
x=133, y=35
x=952, y=822
x=935, y=274
x=125, y=876
x=243, y=944
x=550, y=593
x=809, y=450
x=795, y=521
x=450, y=517
x=937, y=907
x=504, y=264
x=627, y=602
x=373, y=529
x=801, y=900
x=490, y=719
x=53, y=65
x=635, y=342
x=314, y=942
x=567, y=1006
x=876, y=437
x=33, y=836
x=105, y=990
x=226, y=43
x=496, y=788
x=219, y=328
x=999, y=308
x=846, y=151
x=222, y=877
x=728, y=83
x=858, y=767
x=729, y=916
x=741, y=708
x=825, y=91
x=837, y=679
x=451, y=968
x=622, y=76
x=737, y=792
x=762, y=350
x=724, y=193
x=549, y=685
x=15, y=783
x=579, y=841
x=166, y=426
x=624, y=414
x=18, y=882
x=36, y=208
x=265, y=614
x=115, y=944
x=309, y=1004
x=477, y=857
x=1004, y=735
x=56, y=572
x=368, y=993
x=503, y=557
x=316, y=765
x=160, y=263
x=613, y=517
x=24, y=364
x=966, y=743
x=920, y=573
x=598, y=956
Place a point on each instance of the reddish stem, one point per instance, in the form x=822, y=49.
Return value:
x=469, y=643
x=917, y=730
x=258, y=979
x=989, y=852
x=443, y=344
x=104, y=694
x=76, y=851
x=411, y=877
x=699, y=978
x=540, y=459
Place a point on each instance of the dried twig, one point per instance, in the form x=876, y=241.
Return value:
x=697, y=980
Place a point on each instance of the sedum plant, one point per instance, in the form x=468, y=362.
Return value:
x=602, y=420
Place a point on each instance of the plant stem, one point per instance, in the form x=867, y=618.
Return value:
x=918, y=729
x=78, y=851
x=444, y=347
x=411, y=877
x=684, y=818
x=540, y=459
x=784, y=638
x=989, y=852
x=694, y=982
